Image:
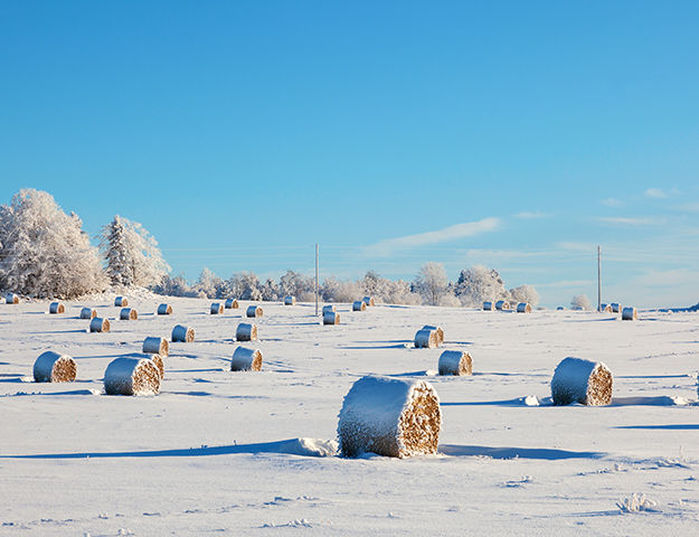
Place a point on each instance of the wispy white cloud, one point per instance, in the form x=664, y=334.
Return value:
x=387, y=247
x=612, y=202
x=668, y=278
x=655, y=193
x=577, y=246
x=688, y=207
x=573, y=284
x=628, y=221
x=527, y=215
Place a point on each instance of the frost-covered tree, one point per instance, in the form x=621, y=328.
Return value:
x=176, y=286
x=477, y=284
x=131, y=254
x=44, y=252
x=524, y=293
x=208, y=284
x=580, y=302
x=431, y=282
x=245, y=286
x=298, y=285
x=270, y=290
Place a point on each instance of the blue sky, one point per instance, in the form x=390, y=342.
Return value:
x=513, y=134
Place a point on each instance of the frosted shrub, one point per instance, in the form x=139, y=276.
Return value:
x=477, y=284
x=636, y=503
x=580, y=302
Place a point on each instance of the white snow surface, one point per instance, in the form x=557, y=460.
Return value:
x=221, y=453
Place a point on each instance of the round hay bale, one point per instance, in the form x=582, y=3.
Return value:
x=97, y=324
x=128, y=314
x=132, y=376
x=390, y=417
x=426, y=339
x=524, y=307
x=581, y=381
x=455, y=363
x=502, y=305
x=231, y=304
x=488, y=306
x=438, y=329
x=289, y=300
x=156, y=345
x=184, y=334
x=164, y=309
x=54, y=367
x=88, y=313
x=245, y=359
x=369, y=301
x=629, y=314
x=246, y=332
x=358, y=305
x=121, y=301
x=11, y=298
x=331, y=317
x=616, y=307
x=57, y=307
x=606, y=308
x=328, y=308
x=216, y=308
x=158, y=361
x=253, y=311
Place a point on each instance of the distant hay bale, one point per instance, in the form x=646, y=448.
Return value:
x=502, y=305
x=246, y=332
x=616, y=307
x=358, y=305
x=132, y=376
x=390, y=417
x=581, y=381
x=328, y=308
x=11, y=298
x=231, y=304
x=164, y=309
x=426, y=339
x=253, y=311
x=560, y=308
x=245, y=359
x=488, y=306
x=331, y=317
x=97, y=324
x=289, y=300
x=606, y=308
x=54, y=367
x=88, y=313
x=156, y=345
x=121, y=301
x=184, y=334
x=438, y=329
x=455, y=363
x=369, y=301
x=128, y=314
x=57, y=307
x=158, y=361
x=216, y=308
x=629, y=314
x=524, y=307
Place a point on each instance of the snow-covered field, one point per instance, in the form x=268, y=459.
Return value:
x=218, y=453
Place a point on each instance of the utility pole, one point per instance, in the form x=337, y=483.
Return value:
x=316, y=279
x=599, y=278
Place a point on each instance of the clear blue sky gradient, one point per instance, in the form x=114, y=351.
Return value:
x=240, y=133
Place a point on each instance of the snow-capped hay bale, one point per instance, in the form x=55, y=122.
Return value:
x=128, y=314
x=97, y=324
x=156, y=345
x=331, y=317
x=289, y=300
x=390, y=417
x=358, y=305
x=184, y=334
x=158, y=361
x=216, y=308
x=245, y=359
x=488, y=306
x=560, y=308
x=438, y=329
x=54, y=367
x=524, y=307
x=11, y=298
x=606, y=308
x=164, y=309
x=581, y=381
x=616, y=307
x=455, y=363
x=426, y=339
x=246, y=332
x=132, y=376
x=629, y=314
x=502, y=305
x=88, y=313
x=231, y=304
x=121, y=301
x=253, y=311
x=57, y=307
x=328, y=308
x=369, y=301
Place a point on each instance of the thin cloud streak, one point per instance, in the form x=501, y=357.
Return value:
x=535, y=215
x=626, y=221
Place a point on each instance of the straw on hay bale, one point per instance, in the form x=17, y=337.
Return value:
x=156, y=345
x=54, y=367
x=164, y=309
x=524, y=307
x=438, y=329
x=581, y=381
x=488, y=306
x=426, y=339
x=605, y=308
x=132, y=376
x=455, y=363
x=231, y=304
x=390, y=417
x=158, y=361
x=358, y=305
x=289, y=300
x=128, y=314
x=502, y=305
x=253, y=311
x=88, y=313
x=328, y=308
x=629, y=314
x=185, y=334
x=616, y=307
x=369, y=301
x=57, y=307
x=11, y=298
x=121, y=301
x=246, y=332
x=216, y=308
x=245, y=359
x=97, y=324
x=331, y=317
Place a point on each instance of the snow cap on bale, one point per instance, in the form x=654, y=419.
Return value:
x=54, y=367
x=231, y=304
x=629, y=314
x=358, y=305
x=128, y=314
x=185, y=334
x=246, y=332
x=245, y=359
x=88, y=313
x=289, y=300
x=524, y=307
x=57, y=307
x=156, y=345
x=390, y=417
x=331, y=317
x=253, y=311
x=438, y=329
x=216, y=308
x=164, y=309
x=121, y=301
x=132, y=376
x=581, y=381
x=502, y=305
x=455, y=363
x=97, y=324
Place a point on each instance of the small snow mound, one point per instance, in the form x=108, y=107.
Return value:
x=431, y=373
x=313, y=447
x=530, y=400
x=636, y=503
x=26, y=379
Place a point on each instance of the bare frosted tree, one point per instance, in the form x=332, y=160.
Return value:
x=431, y=282
x=581, y=302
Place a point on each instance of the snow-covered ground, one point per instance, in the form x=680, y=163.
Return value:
x=220, y=453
